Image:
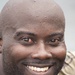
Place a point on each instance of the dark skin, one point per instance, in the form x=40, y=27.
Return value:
x=1, y=66
x=33, y=37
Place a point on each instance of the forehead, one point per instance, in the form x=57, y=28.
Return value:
x=33, y=18
x=38, y=29
x=37, y=11
x=30, y=13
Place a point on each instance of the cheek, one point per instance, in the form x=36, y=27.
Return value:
x=59, y=52
x=20, y=52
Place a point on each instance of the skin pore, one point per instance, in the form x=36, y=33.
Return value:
x=33, y=37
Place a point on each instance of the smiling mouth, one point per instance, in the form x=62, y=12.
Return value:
x=38, y=69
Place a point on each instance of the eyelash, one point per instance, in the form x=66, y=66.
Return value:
x=54, y=42
x=27, y=40
x=30, y=41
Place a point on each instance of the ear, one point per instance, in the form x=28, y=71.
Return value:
x=1, y=41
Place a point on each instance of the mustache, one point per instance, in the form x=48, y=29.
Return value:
x=39, y=62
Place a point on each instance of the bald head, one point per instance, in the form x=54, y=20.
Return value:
x=32, y=30
x=28, y=10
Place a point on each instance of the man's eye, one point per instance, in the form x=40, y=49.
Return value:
x=26, y=41
x=54, y=42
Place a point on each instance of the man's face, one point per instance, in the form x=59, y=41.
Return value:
x=33, y=48
x=33, y=41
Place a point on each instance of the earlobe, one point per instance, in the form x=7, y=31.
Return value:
x=0, y=45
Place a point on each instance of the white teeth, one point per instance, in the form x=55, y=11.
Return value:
x=38, y=69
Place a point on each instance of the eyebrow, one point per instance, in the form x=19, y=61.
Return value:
x=56, y=34
x=34, y=35
x=24, y=32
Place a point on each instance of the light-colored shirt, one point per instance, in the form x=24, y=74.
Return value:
x=69, y=65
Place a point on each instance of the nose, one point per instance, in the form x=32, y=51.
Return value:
x=41, y=53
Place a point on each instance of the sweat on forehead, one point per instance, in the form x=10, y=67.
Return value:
x=32, y=11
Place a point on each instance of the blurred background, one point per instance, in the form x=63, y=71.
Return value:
x=68, y=7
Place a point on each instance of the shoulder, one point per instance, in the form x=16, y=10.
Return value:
x=69, y=64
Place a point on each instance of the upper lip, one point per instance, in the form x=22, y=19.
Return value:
x=39, y=65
